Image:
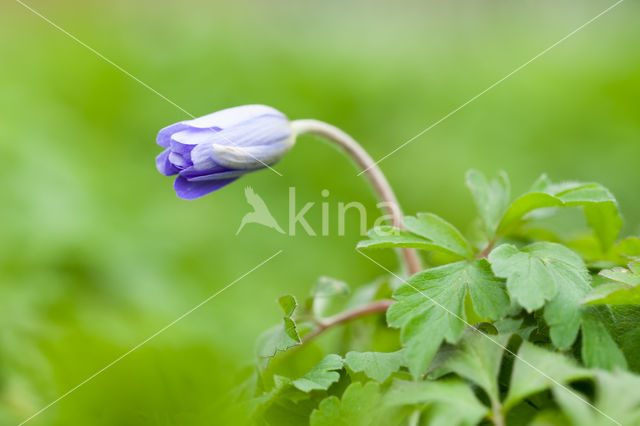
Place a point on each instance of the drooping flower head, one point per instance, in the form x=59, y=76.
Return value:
x=212, y=151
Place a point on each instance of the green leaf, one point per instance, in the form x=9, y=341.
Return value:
x=565, y=313
x=356, y=408
x=599, y=349
x=440, y=232
x=376, y=365
x=617, y=401
x=524, y=205
x=288, y=304
x=630, y=276
x=598, y=203
x=530, y=275
x=491, y=198
x=430, y=307
x=536, y=369
x=626, y=333
x=390, y=237
x=477, y=358
x=452, y=398
x=282, y=336
x=322, y=375
x=327, y=296
x=613, y=294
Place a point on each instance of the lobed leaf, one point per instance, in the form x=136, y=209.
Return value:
x=376, y=365
x=321, y=376
x=431, y=309
x=356, y=408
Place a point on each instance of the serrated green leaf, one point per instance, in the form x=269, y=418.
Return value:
x=356, y=408
x=288, y=304
x=321, y=376
x=477, y=358
x=536, y=369
x=617, y=401
x=491, y=197
x=376, y=365
x=430, y=307
x=282, y=336
x=452, y=397
x=529, y=272
x=439, y=231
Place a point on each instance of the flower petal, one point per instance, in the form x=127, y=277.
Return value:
x=164, y=135
x=163, y=164
x=191, y=190
x=228, y=117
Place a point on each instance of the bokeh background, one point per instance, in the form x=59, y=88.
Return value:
x=96, y=251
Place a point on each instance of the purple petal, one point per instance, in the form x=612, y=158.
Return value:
x=228, y=117
x=191, y=190
x=163, y=164
x=164, y=135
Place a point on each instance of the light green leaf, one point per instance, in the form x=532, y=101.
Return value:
x=438, y=230
x=430, y=307
x=376, y=365
x=390, y=237
x=536, y=369
x=322, y=375
x=491, y=198
x=529, y=272
x=613, y=294
x=357, y=407
x=282, y=336
x=327, y=296
x=288, y=304
x=524, y=205
x=598, y=203
x=452, y=398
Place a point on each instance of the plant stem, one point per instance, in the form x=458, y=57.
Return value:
x=373, y=172
x=496, y=414
x=372, y=308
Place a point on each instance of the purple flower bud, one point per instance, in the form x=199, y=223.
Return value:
x=212, y=151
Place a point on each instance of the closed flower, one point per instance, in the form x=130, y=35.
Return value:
x=212, y=151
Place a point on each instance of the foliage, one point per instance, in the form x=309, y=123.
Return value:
x=507, y=328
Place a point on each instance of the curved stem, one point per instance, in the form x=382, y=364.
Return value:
x=372, y=308
x=372, y=171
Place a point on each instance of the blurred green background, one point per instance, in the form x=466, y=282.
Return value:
x=96, y=251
